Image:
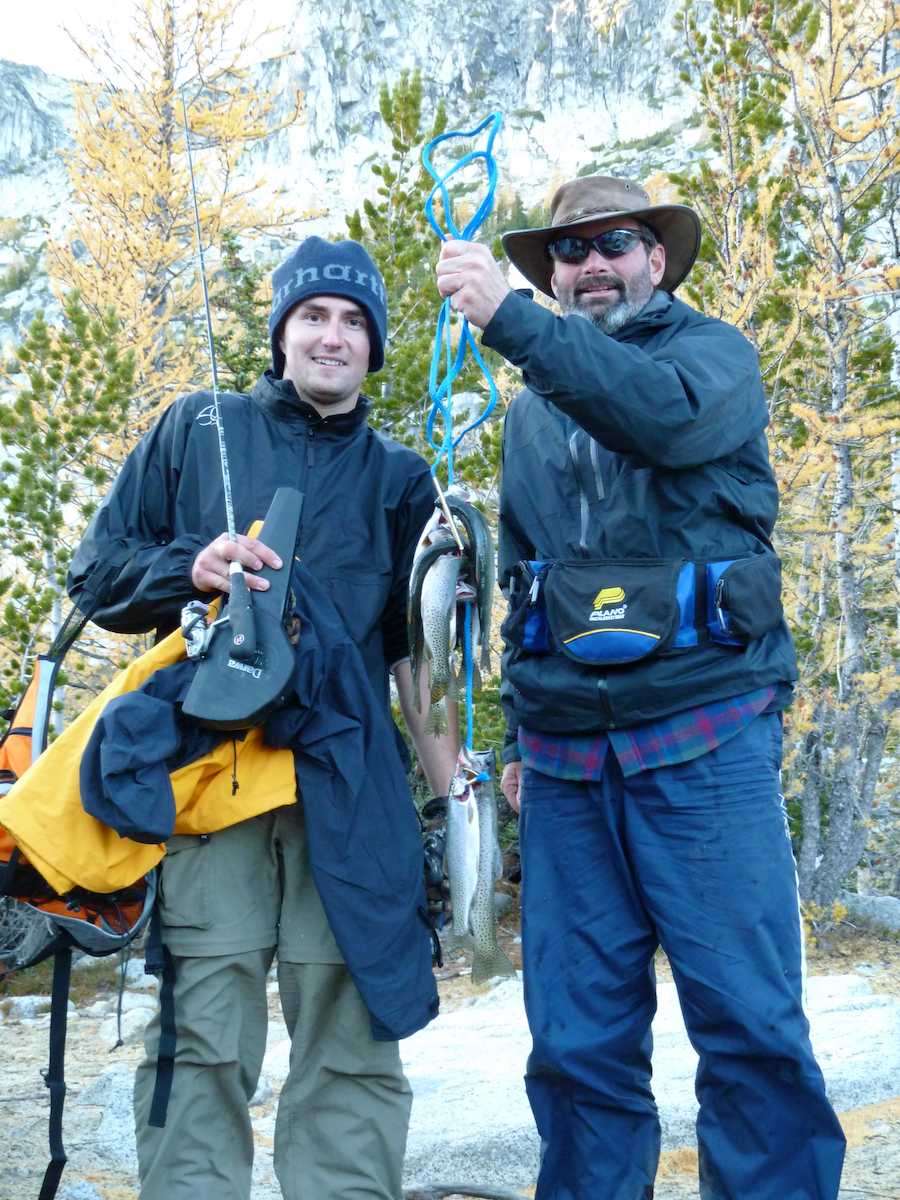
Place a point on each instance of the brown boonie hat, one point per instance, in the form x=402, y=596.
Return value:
x=595, y=198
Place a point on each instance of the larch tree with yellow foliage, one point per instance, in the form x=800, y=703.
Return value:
x=800, y=251
x=132, y=242
x=126, y=273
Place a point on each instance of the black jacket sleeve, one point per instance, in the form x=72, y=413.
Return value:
x=135, y=526
x=689, y=398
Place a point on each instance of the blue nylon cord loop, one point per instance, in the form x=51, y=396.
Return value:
x=441, y=392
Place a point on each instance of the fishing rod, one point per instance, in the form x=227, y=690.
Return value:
x=239, y=682
x=240, y=606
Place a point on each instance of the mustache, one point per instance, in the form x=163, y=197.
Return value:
x=588, y=282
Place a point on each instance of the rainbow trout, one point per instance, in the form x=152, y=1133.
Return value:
x=478, y=916
x=461, y=850
x=438, y=606
x=489, y=960
x=426, y=556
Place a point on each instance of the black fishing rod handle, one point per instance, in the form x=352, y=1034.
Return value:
x=240, y=614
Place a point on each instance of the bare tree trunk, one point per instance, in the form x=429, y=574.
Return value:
x=846, y=809
x=811, y=807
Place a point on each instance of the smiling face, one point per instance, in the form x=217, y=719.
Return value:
x=325, y=342
x=609, y=291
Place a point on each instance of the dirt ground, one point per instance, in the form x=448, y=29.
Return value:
x=872, y=1170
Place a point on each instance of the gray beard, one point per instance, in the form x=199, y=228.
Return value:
x=626, y=308
x=613, y=319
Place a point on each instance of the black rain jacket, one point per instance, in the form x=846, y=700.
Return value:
x=649, y=444
x=366, y=500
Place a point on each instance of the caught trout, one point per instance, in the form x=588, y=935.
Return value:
x=489, y=960
x=426, y=555
x=478, y=916
x=461, y=850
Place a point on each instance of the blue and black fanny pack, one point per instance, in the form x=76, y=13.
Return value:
x=619, y=611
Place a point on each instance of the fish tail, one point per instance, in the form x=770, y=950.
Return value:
x=436, y=721
x=488, y=964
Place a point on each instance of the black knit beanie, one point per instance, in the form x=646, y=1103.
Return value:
x=320, y=268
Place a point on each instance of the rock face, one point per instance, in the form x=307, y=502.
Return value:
x=568, y=96
x=35, y=114
x=572, y=102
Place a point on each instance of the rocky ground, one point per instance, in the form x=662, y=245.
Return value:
x=98, y=1077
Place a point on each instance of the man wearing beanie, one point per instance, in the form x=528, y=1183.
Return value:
x=231, y=900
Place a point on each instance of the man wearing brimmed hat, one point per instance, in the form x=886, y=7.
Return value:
x=332, y=888
x=646, y=667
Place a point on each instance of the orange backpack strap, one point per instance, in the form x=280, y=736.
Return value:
x=26, y=737
x=29, y=723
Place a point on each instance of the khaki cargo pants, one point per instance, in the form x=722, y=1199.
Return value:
x=228, y=904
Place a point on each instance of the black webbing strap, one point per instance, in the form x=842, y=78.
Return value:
x=54, y=1076
x=159, y=962
x=700, y=602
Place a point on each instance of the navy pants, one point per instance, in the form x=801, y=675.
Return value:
x=695, y=858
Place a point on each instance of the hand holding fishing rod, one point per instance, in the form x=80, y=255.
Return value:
x=211, y=568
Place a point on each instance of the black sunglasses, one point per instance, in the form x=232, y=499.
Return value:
x=612, y=243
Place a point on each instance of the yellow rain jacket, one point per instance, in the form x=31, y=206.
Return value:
x=44, y=816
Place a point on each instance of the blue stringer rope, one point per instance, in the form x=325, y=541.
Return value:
x=442, y=393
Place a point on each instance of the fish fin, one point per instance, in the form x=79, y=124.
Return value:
x=476, y=677
x=436, y=721
x=453, y=688
x=486, y=658
x=487, y=966
x=457, y=941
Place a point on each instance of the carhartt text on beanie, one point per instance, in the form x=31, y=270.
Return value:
x=320, y=268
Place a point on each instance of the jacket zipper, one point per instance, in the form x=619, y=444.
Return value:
x=582, y=495
x=595, y=463
x=310, y=450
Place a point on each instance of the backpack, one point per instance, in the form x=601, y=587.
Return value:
x=95, y=923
